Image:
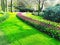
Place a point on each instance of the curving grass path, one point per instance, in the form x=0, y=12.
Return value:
x=15, y=32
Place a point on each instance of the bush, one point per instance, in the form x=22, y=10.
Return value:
x=36, y=13
x=4, y=17
x=52, y=13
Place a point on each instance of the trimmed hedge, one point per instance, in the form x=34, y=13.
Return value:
x=38, y=25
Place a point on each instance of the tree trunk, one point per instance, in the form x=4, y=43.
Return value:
x=11, y=6
x=42, y=5
x=3, y=5
x=6, y=6
x=38, y=7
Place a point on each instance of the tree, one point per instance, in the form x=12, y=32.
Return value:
x=23, y=4
x=42, y=5
x=6, y=6
x=52, y=13
x=3, y=5
x=38, y=7
x=33, y=4
x=11, y=6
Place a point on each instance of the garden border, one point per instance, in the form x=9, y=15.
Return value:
x=47, y=28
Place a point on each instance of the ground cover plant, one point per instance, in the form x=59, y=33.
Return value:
x=15, y=32
x=49, y=29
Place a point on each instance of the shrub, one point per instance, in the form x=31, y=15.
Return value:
x=4, y=17
x=52, y=13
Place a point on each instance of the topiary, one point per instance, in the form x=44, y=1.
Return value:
x=52, y=13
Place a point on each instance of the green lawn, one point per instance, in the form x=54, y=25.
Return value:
x=15, y=32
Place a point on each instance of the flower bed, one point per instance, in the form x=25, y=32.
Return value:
x=41, y=19
x=47, y=28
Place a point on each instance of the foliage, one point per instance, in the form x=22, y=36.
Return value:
x=4, y=5
x=40, y=18
x=3, y=16
x=52, y=13
x=24, y=9
x=0, y=8
x=57, y=5
x=36, y=13
x=51, y=30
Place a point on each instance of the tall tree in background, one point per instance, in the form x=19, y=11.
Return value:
x=38, y=7
x=11, y=6
x=42, y=5
x=6, y=5
x=3, y=5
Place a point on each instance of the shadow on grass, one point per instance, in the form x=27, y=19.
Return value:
x=3, y=40
x=19, y=35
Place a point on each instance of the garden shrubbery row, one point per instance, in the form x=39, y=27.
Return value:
x=41, y=19
x=55, y=33
x=4, y=17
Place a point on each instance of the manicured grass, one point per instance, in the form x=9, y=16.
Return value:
x=41, y=26
x=17, y=32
